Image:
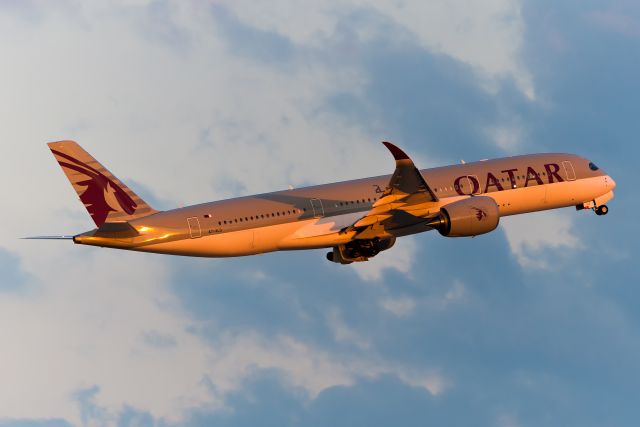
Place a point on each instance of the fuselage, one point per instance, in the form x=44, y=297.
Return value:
x=316, y=216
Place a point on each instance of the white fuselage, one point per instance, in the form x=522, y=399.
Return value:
x=201, y=230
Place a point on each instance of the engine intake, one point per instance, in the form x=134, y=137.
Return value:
x=466, y=218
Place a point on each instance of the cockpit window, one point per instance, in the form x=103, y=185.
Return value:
x=593, y=166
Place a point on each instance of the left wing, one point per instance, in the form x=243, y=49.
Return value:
x=408, y=200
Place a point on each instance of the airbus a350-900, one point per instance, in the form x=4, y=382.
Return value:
x=356, y=219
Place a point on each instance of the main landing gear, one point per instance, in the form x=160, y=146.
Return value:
x=601, y=210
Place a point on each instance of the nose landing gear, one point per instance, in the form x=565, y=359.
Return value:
x=601, y=210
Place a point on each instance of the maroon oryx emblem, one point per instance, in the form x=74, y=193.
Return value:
x=101, y=195
x=480, y=214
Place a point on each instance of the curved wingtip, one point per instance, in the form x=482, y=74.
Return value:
x=397, y=153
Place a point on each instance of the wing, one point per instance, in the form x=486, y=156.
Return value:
x=407, y=201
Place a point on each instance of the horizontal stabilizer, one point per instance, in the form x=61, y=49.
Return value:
x=48, y=238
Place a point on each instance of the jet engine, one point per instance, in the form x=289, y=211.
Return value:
x=359, y=250
x=469, y=217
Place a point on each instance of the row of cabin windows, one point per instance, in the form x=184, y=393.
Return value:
x=283, y=213
x=258, y=217
x=520, y=177
x=347, y=203
x=354, y=202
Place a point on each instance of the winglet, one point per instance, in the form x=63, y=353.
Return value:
x=406, y=178
x=397, y=153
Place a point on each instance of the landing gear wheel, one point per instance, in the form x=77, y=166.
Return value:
x=602, y=210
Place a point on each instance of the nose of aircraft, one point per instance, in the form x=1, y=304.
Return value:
x=611, y=182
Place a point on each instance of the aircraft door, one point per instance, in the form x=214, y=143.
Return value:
x=570, y=173
x=194, y=227
x=316, y=207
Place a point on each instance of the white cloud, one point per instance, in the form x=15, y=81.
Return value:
x=533, y=236
x=400, y=258
x=405, y=306
x=486, y=35
x=172, y=108
x=106, y=319
x=508, y=138
x=85, y=326
x=433, y=382
x=342, y=332
x=455, y=293
x=401, y=307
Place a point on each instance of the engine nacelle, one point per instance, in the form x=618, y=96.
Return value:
x=359, y=250
x=469, y=217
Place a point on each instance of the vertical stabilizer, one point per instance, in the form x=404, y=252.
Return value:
x=106, y=198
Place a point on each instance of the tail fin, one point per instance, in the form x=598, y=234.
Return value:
x=106, y=198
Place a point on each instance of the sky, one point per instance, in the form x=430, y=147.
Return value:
x=535, y=324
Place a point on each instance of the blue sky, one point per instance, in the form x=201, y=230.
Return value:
x=534, y=324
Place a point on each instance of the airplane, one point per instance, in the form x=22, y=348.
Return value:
x=355, y=219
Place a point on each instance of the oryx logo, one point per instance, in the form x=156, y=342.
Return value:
x=102, y=195
x=480, y=214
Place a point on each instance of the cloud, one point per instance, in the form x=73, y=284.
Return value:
x=507, y=138
x=400, y=258
x=92, y=310
x=343, y=333
x=491, y=44
x=400, y=307
x=536, y=239
x=199, y=102
x=13, y=277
